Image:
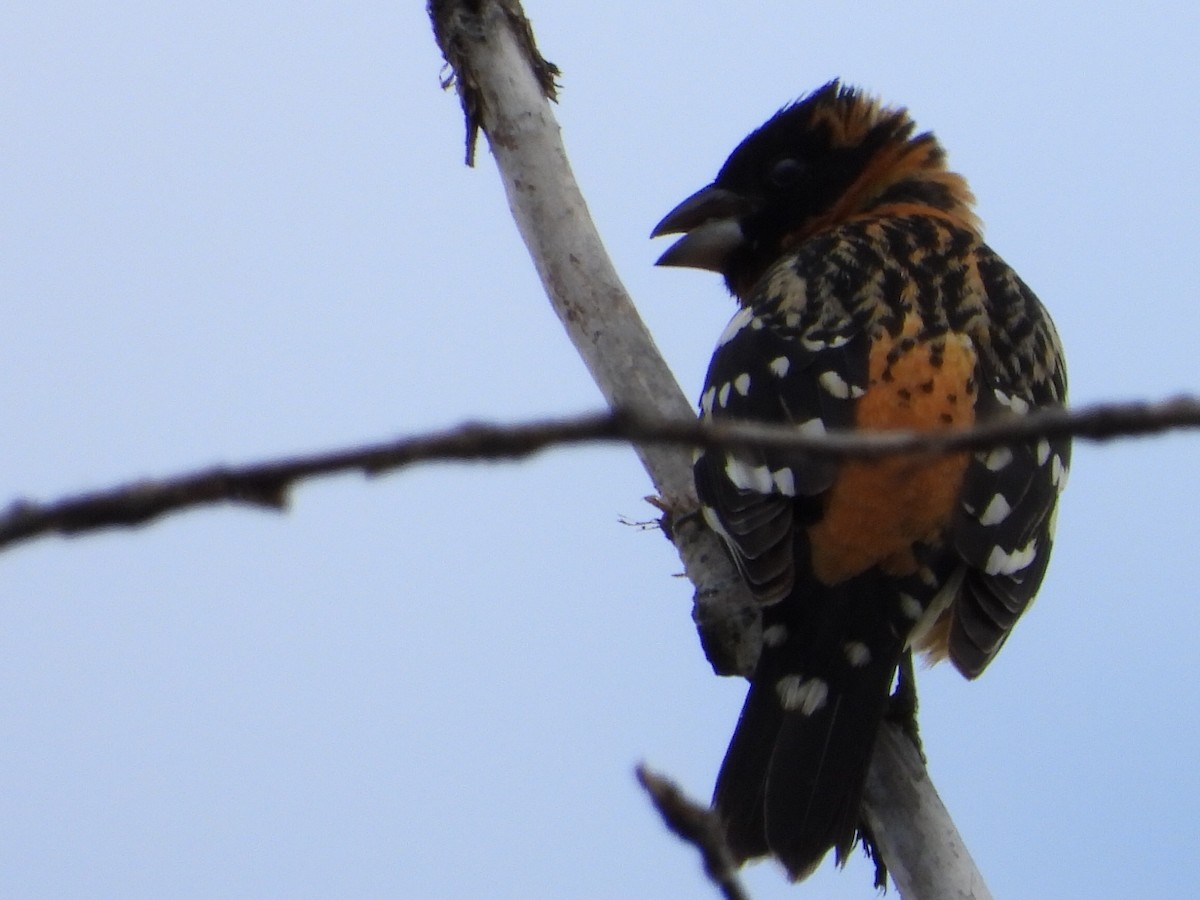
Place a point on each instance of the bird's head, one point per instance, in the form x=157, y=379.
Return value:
x=830, y=157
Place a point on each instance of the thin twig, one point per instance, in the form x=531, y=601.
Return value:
x=697, y=825
x=267, y=484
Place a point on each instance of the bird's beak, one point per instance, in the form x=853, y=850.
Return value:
x=709, y=221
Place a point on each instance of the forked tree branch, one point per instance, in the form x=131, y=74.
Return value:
x=489, y=46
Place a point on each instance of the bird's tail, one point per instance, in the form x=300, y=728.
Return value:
x=791, y=783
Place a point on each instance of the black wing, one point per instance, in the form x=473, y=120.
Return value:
x=774, y=367
x=1005, y=525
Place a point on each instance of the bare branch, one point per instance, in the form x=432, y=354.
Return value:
x=489, y=44
x=451, y=21
x=600, y=319
x=926, y=857
x=267, y=484
x=697, y=825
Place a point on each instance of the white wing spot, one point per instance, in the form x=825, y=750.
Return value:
x=1043, y=451
x=804, y=697
x=741, y=384
x=998, y=459
x=1001, y=563
x=1017, y=404
x=706, y=400
x=1058, y=473
x=857, y=653
x=736, y=324
x=811, y=428
x=775, y=635
x=785, y=481
x=996, y=512
x=723, y=394
x=780, y=365
x=911, y=606
x=749, y=478
x=835, y=385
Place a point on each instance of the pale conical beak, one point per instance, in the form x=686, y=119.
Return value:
x=710, y=223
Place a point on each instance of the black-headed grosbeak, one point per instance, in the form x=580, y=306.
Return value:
x=868, y=300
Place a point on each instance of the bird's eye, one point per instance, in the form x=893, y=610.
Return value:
x=787, y=172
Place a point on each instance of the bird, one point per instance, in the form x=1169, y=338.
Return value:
x=867, y=300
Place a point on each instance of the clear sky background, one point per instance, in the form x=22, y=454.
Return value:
x=235, y=230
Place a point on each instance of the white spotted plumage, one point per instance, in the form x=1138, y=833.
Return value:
x=857, y=653
x=740, y=320
x=748, y=477
x=997, y=459
x=1018, y=405
x=835, y=384
x=1058, y=473
x=911, y=606
x=1006, y=562
x=866, y=281
x=785, y=481
x=996, y=511
x=775, y=635
x=803, y=695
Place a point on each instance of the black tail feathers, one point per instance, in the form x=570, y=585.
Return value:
x=791, y=783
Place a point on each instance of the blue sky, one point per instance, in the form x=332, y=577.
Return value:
x=237, y=230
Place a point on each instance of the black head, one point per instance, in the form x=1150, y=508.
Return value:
x=830, y=156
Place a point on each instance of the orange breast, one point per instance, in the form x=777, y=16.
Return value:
x=877, y=510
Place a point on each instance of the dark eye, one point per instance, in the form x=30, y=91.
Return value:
x=787, y=172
